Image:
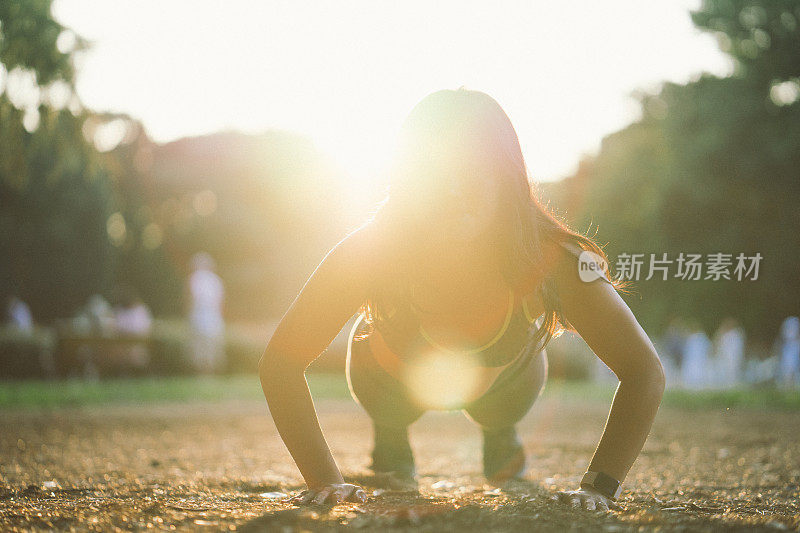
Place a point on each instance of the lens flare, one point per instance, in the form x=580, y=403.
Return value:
x=444, y=380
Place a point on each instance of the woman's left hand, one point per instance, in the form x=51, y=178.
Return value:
x=588, y=499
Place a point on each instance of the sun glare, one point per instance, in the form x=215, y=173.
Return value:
x=305, y=67
x=362, y=157
x=441, y=380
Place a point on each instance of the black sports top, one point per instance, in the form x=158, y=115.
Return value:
x=499, y=351
x=513, y=338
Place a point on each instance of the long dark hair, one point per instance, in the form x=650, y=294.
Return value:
x=476, y=135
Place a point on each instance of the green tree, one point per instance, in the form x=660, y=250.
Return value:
x=712, y=166
x=53, y=190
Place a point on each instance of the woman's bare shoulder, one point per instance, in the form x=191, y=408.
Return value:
x=578, y=263
x=366, y=251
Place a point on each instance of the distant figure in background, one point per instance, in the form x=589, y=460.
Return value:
x=19, y=314
x=133, y=318
x=205, y=295
x=789, y=346
x=694, y=364
x=674, y=340
x=18, y=317
x=96, y=317
x=729, y=353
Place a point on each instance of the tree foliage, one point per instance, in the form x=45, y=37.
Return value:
x=712, y=166
x=53, y=189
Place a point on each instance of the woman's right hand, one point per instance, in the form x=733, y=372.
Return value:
x=330, y=493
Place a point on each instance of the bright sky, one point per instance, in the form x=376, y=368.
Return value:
x=346, y=73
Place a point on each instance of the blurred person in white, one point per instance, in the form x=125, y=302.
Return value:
x=729, y=343
x=18, y=318
x=204, y=298
x=672, y=343
x=133, y=318
x=95, y=318
x=19, y=314
x=789, y=343
x=694, y=364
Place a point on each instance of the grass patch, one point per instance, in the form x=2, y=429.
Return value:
x=77, y=393
x=764, y=398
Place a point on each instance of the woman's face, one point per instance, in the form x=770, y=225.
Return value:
x=468, y=209
x=463, y=210
x=456, y=196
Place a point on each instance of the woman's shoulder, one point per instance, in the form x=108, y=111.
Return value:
x=365, y=251
x=578, y=262
x=571, y=247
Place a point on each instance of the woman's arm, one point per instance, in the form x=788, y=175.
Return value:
x=607, y=325
x=330, y=297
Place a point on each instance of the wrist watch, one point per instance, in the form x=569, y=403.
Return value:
x=602, y=483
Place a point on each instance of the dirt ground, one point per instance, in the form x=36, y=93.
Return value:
x=222, y=466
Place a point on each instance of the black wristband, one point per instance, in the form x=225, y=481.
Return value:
x=602, y=483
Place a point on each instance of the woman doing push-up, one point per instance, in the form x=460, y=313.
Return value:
x=459, y=279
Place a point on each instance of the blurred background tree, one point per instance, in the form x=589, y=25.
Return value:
x=91, y=205
x=53, y=190
x=711, y=166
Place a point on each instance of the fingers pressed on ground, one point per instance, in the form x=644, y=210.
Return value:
x=307, y=497
x=321, y=496
x=602, y=506
x=337, y=496
x=590, y=504
x=296, y=497
x=583, y=498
